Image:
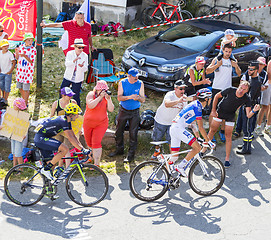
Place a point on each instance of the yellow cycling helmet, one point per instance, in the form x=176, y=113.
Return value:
x=72, y=108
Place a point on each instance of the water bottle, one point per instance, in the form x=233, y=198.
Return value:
x=38, y=164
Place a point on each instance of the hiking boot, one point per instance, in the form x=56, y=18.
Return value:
x=47, y=173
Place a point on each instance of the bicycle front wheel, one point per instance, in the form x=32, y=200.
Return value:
x=89, y=187
x=184, y=14
x=231, y=18
x=147, y=19
x=149, y=181
x=24, y=185
x=207, y=185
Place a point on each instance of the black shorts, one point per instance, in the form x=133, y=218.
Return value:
x=228, y=117
x=46, y=145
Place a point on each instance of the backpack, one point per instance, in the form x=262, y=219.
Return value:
x=32, y=155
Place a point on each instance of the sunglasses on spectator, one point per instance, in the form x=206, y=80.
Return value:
x=251, y=69
x=80, y=47
x=2, y=30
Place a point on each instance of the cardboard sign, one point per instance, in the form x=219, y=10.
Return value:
x=15, y=124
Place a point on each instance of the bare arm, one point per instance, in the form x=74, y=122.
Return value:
x=237, y=68
x=169, y=103
x=91, y=102
x=202, y=130
x=110, y=105
x=216, y=98
x=53, y=109
x=201, y=82
x=73, y=139
x=12, y=67
x=141, y=93
x=215, y=64
x=250, y=112
x=57, y=25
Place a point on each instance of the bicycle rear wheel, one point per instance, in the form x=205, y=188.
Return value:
x=231, y=18
x=147, y=19
x=205, y=10
x=207, y=185
x=149, y=181
x=89, y=189
x=24, y=185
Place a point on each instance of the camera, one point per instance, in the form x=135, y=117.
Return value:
x=108, y=92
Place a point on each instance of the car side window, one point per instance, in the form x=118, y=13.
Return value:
x=243, y=40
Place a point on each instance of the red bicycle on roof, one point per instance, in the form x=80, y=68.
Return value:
x=164, y=12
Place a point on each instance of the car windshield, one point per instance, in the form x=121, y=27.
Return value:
x=189, y=37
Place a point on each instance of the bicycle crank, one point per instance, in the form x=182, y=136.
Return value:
x=174, y=183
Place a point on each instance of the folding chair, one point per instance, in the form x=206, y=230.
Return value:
x=102, y=67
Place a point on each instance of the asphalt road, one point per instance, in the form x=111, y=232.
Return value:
x=239, y=211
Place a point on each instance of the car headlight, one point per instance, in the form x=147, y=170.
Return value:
x=128, y=51
x=171, y=67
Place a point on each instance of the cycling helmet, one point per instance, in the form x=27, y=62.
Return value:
x=148, y=111
x=146, y=121
x=72, y=108
x=204, y=93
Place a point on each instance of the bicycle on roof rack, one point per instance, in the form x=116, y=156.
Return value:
x=164, y=12
x=205, y=10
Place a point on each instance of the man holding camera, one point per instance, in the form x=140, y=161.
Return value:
x=130, y=95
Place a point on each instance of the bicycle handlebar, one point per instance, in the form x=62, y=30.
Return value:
x=234, y=5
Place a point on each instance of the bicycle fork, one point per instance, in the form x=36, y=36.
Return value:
x=203, y=165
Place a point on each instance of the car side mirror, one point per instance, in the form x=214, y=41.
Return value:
x=212, y=54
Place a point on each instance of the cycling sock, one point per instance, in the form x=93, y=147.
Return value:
x=48, y=167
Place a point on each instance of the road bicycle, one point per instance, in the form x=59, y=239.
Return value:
x=86, y=184
x=205, y=10
x=164, y=12
x=150, y=180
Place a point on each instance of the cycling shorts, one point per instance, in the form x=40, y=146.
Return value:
x=46, y=145
x=180, y=134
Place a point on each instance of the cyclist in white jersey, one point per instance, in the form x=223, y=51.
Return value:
x=178, y=131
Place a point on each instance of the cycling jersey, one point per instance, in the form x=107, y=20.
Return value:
x=190, y=113
x=52, y=126
x=178, y=131
x=48, y=129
